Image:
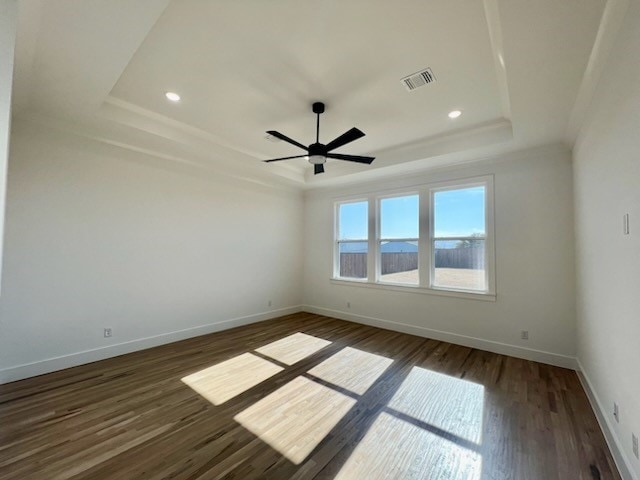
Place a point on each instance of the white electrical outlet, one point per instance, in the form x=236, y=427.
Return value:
x=524, y=335
x=269, y=302
x=348, y=304
x=616, y=412
x=108, y=333
x=634, y=445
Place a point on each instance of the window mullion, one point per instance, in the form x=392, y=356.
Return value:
x=372, y=258
x=336, y=244
x=473, y=237
x=408, y=239
x=424, y=249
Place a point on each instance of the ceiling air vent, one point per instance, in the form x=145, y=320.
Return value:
x=419, y=79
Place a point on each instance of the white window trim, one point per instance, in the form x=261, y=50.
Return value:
x=487, y=183
x=425, y=226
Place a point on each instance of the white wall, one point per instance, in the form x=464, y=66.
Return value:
x=607, y=185
x=94, y=240
x=8, y=22
x=534, y=262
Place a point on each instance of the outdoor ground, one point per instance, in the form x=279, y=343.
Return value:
x=464, y=278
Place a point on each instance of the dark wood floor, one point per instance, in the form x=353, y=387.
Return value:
x=303, y=397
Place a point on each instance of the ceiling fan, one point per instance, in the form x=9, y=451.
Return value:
x=317, y=153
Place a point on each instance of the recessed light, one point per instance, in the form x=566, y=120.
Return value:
x=174, y=97
x=455, y=114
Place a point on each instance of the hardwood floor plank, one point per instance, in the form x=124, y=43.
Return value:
x=302, y=397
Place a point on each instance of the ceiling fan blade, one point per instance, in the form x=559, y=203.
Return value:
x=318, y=168
x=286, y=139
x=351, y=158
x=284, y=158
x=345, y=138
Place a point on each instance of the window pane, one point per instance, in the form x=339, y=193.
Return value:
x=460, y=264
x=399, y=262
x=399, y=217
x=460, y=212
x=353, y=259
x=354, y=221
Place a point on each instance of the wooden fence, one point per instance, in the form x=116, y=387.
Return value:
x=354, y=265
x=470, y=257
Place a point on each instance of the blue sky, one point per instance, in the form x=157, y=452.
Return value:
x=457, y=213
x=353, y=221
x=399, y=217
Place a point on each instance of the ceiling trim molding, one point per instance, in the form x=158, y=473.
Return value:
x=493, y=131
x=612, y=18
x=495, y=35
x=457, y=170
x=131, y=114
x=425, y=153
x=228, y=169
x=191, y=138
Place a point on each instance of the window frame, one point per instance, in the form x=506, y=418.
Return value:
x=426, y=254
x=489, y=271
x=379, y=239
x=337, y=241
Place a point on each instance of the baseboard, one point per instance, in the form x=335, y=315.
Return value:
x=473, y=342
x=619, y=456
x=49, y=365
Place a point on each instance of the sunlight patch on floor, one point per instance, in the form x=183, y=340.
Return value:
x=292, y=349
x=352, y=369
x=448, y=403
x=395, y=449
x=296, y=417
x=230, y=378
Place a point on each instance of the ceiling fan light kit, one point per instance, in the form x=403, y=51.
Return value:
x=317, y=153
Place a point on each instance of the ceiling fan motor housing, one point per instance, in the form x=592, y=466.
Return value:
x=317, y=153
x=317, y=149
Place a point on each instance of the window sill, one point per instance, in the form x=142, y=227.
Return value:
x=481, y=296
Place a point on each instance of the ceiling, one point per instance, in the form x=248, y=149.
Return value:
x=516, y=69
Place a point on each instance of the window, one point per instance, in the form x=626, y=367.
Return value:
x=458, y=243
x=352, y=243
x=398, y=240
x=435, y=239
